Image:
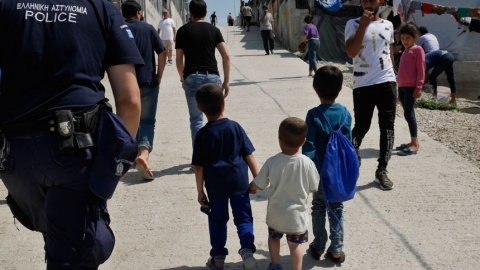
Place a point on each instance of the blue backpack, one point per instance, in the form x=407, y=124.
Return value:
x=340, y=170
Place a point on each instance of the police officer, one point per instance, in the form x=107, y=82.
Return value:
x=52, y=62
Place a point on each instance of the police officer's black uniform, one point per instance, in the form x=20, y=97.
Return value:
x=53, y=55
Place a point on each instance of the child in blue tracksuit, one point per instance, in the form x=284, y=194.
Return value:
x=327, y=83
x=222, y=154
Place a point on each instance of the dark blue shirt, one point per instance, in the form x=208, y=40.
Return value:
x=148, y=41
x=53, y=55
x=220, y=147
x=319, y=132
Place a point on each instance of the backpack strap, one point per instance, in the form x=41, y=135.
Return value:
x=328, y=123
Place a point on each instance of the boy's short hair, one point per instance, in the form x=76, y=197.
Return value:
x=130, y=8
x=209, y=98
x=292, y=131
x=328, y=82
x=423, y=30
x=408, y=29
x=198, y=8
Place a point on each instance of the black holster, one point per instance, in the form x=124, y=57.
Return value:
x=78, y=132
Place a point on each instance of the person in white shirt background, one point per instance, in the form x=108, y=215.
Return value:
x=168, y=33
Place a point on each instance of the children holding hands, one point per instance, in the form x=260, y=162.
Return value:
x=223, y=153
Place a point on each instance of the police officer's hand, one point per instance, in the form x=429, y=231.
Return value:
x=226, y=87
x=202, y=198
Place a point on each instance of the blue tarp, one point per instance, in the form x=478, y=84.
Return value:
x=332, y=5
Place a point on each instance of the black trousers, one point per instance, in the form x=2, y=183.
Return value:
x=365, y=99
x=267, y=37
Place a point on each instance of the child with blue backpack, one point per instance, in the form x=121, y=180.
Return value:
x=327, y=83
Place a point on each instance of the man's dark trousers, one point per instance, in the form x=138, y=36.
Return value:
x=51, y=189
x=267, y=37
x=365, y=99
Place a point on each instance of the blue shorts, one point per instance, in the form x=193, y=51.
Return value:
x=294, y=238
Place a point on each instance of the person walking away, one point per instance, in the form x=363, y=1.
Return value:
x=267, y=30
x=310, y=35
x=222, y=154
x=327, y=83
x=411, y=75
x=369, y=41
x=230, y=19
x=291, y=176
x=168, y=34
x=213, y=19
x=196, y=41
x=61, y=168
x=441, y=61
x=427, y=41
x=242, y=15
x=248, y=14
x=148, y=43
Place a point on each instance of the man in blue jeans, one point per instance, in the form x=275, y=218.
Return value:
x=148, y=42
x=197, y=42
x=441, y=61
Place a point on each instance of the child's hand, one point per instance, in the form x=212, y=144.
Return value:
x=253, y=188
x=417, y=93
x=201, y=198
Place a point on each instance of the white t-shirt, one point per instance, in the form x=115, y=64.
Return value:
x=166, y=27
x=267, y=24
x=247, y=11
x=291, y=178
x=373, y=64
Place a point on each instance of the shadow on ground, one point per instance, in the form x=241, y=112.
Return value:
x=133, y=177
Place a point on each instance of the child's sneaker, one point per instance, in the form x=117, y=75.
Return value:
x=249, y=262
x=340, y=259
x=211, y=264
x=382, y=179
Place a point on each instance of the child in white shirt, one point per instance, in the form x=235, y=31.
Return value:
x=292, y=176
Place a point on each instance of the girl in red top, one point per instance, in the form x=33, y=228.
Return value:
x=411, y=75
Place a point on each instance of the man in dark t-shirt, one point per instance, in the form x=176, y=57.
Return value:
x=197, y=41
x=148, y=43
x=213, y=19
x=52, y=65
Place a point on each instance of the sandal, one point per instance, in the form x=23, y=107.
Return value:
x=314, y=252
x=145, y=173
x=401, y=147
x=275, y=267
x=212, y=266
x=407, y=152
x=340, y=259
